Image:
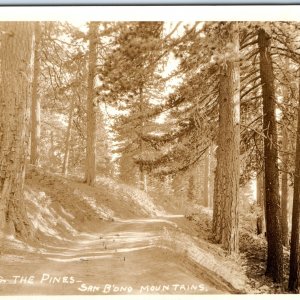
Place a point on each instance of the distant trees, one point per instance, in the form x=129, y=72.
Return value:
x=90, y=169
x=64, y=71
x=15, y=101
x=206, y=178
x=62, y=85
x=68, y=138
x=131, y=79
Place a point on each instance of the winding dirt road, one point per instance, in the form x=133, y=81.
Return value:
x=128, y=257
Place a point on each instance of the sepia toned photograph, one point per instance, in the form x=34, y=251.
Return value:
x=149, y=157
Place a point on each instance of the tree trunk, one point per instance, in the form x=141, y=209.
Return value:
x=16, y=57
x=68, y=139
x=191, y=187
x=273, y=212
x=284, y=175
x=143, y=176
x=198, y=183
x=127, y=169
x=211, y=175
x=205, y=179
x=35, y=105
x=143, y=182
x=226, y=194
x=284, y=188
x=90, y=170
x=260, y=199
x=294, y=255
x=51, y=150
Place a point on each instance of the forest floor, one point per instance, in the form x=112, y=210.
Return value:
x=253, y=251
x=115, y=239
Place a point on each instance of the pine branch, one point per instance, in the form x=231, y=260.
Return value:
x=251, y=89
x=248, y=44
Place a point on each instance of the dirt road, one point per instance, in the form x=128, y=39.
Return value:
x=128, y=257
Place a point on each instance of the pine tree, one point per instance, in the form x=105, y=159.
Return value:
x=68, y=139
x=284, y=188
x=130, y=79
x=226, y=193
x=15, y=99
x=294, y=252
x=273, y=212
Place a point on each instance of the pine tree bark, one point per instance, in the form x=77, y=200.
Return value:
x=226, y=194
x=35, y=105
x=294, y=254
x=284, y=189
x=68, y=139
x=273, y=212
x=284, y=176
x=16, y=57
x=90, y=170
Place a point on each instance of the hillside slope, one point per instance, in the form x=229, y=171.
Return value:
x=61, y=207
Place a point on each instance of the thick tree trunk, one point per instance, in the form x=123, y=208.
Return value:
x=260, y=199
x=284, y=189
x=273, y=212
x=226, y=194
x=90, y=170
x=68, y=139
x=284, y=175
x=294, y=255
x=35, y=106
x=16, y=57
